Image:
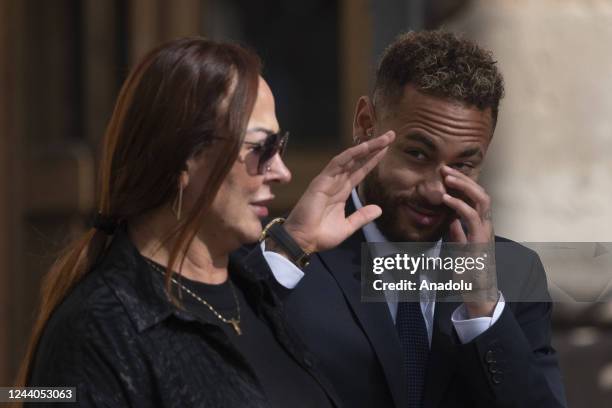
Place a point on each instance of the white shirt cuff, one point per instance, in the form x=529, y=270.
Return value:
x=285, y=272
x=468, y=329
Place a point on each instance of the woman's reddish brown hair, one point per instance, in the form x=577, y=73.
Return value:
x=183, y=97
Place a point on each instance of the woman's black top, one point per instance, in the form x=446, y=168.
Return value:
x=121, y=342
x=285, y=383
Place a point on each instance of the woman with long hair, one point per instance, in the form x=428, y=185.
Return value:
x=148, y=308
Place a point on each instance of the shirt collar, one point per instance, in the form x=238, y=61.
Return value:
x=138, y=288
x=370, y=230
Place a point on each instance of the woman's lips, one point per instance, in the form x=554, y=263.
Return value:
x=261, y=207
x=421, y=217
x=260, y=210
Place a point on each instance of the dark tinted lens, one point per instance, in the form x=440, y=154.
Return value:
x=276, y=143
x=268, y=151
x=284, y=140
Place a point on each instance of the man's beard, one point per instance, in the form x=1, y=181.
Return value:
x=388, y=223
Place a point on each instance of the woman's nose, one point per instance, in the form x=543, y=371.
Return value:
x=276, y=170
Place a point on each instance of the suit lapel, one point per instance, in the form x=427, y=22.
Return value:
x=344, y=263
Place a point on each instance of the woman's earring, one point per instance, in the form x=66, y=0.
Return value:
x=370, y=132
x=178, y=203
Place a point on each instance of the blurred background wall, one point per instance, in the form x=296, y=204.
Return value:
x=549, y=172
x=549, y=167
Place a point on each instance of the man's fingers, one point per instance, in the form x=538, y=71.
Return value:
x=450, y=171
x=363, y=216
x=475, y=192
x=467, y=213
x=456, y=232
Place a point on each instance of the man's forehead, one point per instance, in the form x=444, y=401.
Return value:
x=415, y=104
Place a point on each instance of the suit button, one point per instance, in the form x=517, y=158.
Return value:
x=497, y=378
x=493, y=368
x=490, y=357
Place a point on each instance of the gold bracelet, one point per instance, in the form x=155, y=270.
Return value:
x=264, y=233
x=275, y=231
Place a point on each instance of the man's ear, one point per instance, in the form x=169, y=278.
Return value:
x=363, y=123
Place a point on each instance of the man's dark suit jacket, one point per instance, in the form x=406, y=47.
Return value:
x=512, y=364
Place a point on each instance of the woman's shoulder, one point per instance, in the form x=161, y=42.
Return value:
x=119, y=293
x=84, y=334
x=90, y=343
x=90, y=309
x=117, y=299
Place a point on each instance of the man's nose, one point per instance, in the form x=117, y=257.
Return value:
x=278, y=171
x=432, y=188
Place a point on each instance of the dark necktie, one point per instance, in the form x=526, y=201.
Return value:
x=412, y=333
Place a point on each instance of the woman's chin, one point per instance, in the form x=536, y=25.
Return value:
x=250, y=234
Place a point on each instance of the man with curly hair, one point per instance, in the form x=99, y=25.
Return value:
x=441, y=95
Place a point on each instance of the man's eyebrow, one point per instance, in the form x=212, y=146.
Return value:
x=471, y=152
x=423, y=139
x=418, y=137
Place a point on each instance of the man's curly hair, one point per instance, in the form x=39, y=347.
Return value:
x=439, y=64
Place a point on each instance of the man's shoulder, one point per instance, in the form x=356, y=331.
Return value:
x=513, y=251
x=520, y=272
x=244, y=251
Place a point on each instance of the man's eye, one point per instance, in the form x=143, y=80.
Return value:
x=463, y=167
x=417, y=154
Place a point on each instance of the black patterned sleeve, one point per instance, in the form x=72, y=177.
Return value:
x=89, y=351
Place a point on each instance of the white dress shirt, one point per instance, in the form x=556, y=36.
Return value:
x=289, y=275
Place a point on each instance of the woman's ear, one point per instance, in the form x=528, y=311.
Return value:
x=184, y=179
x=193, y=168
x=195, y=172
x=363, y=123
x=177, y=204
x=184, y=176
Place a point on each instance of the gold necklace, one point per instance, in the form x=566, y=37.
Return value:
x=234, y=321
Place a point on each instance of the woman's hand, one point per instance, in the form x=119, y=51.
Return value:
x=318, y=221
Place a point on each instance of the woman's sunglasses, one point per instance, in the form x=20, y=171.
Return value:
x=267, y=148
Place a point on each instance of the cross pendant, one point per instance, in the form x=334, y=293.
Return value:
x=236, y=324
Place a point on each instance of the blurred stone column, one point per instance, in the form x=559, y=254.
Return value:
x=153, y=22
x=11, y=177
x=393, y=17
x=367, y=27
x=550, y=169
x=355, y=60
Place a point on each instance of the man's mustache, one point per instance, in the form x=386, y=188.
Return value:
x=420, y=204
